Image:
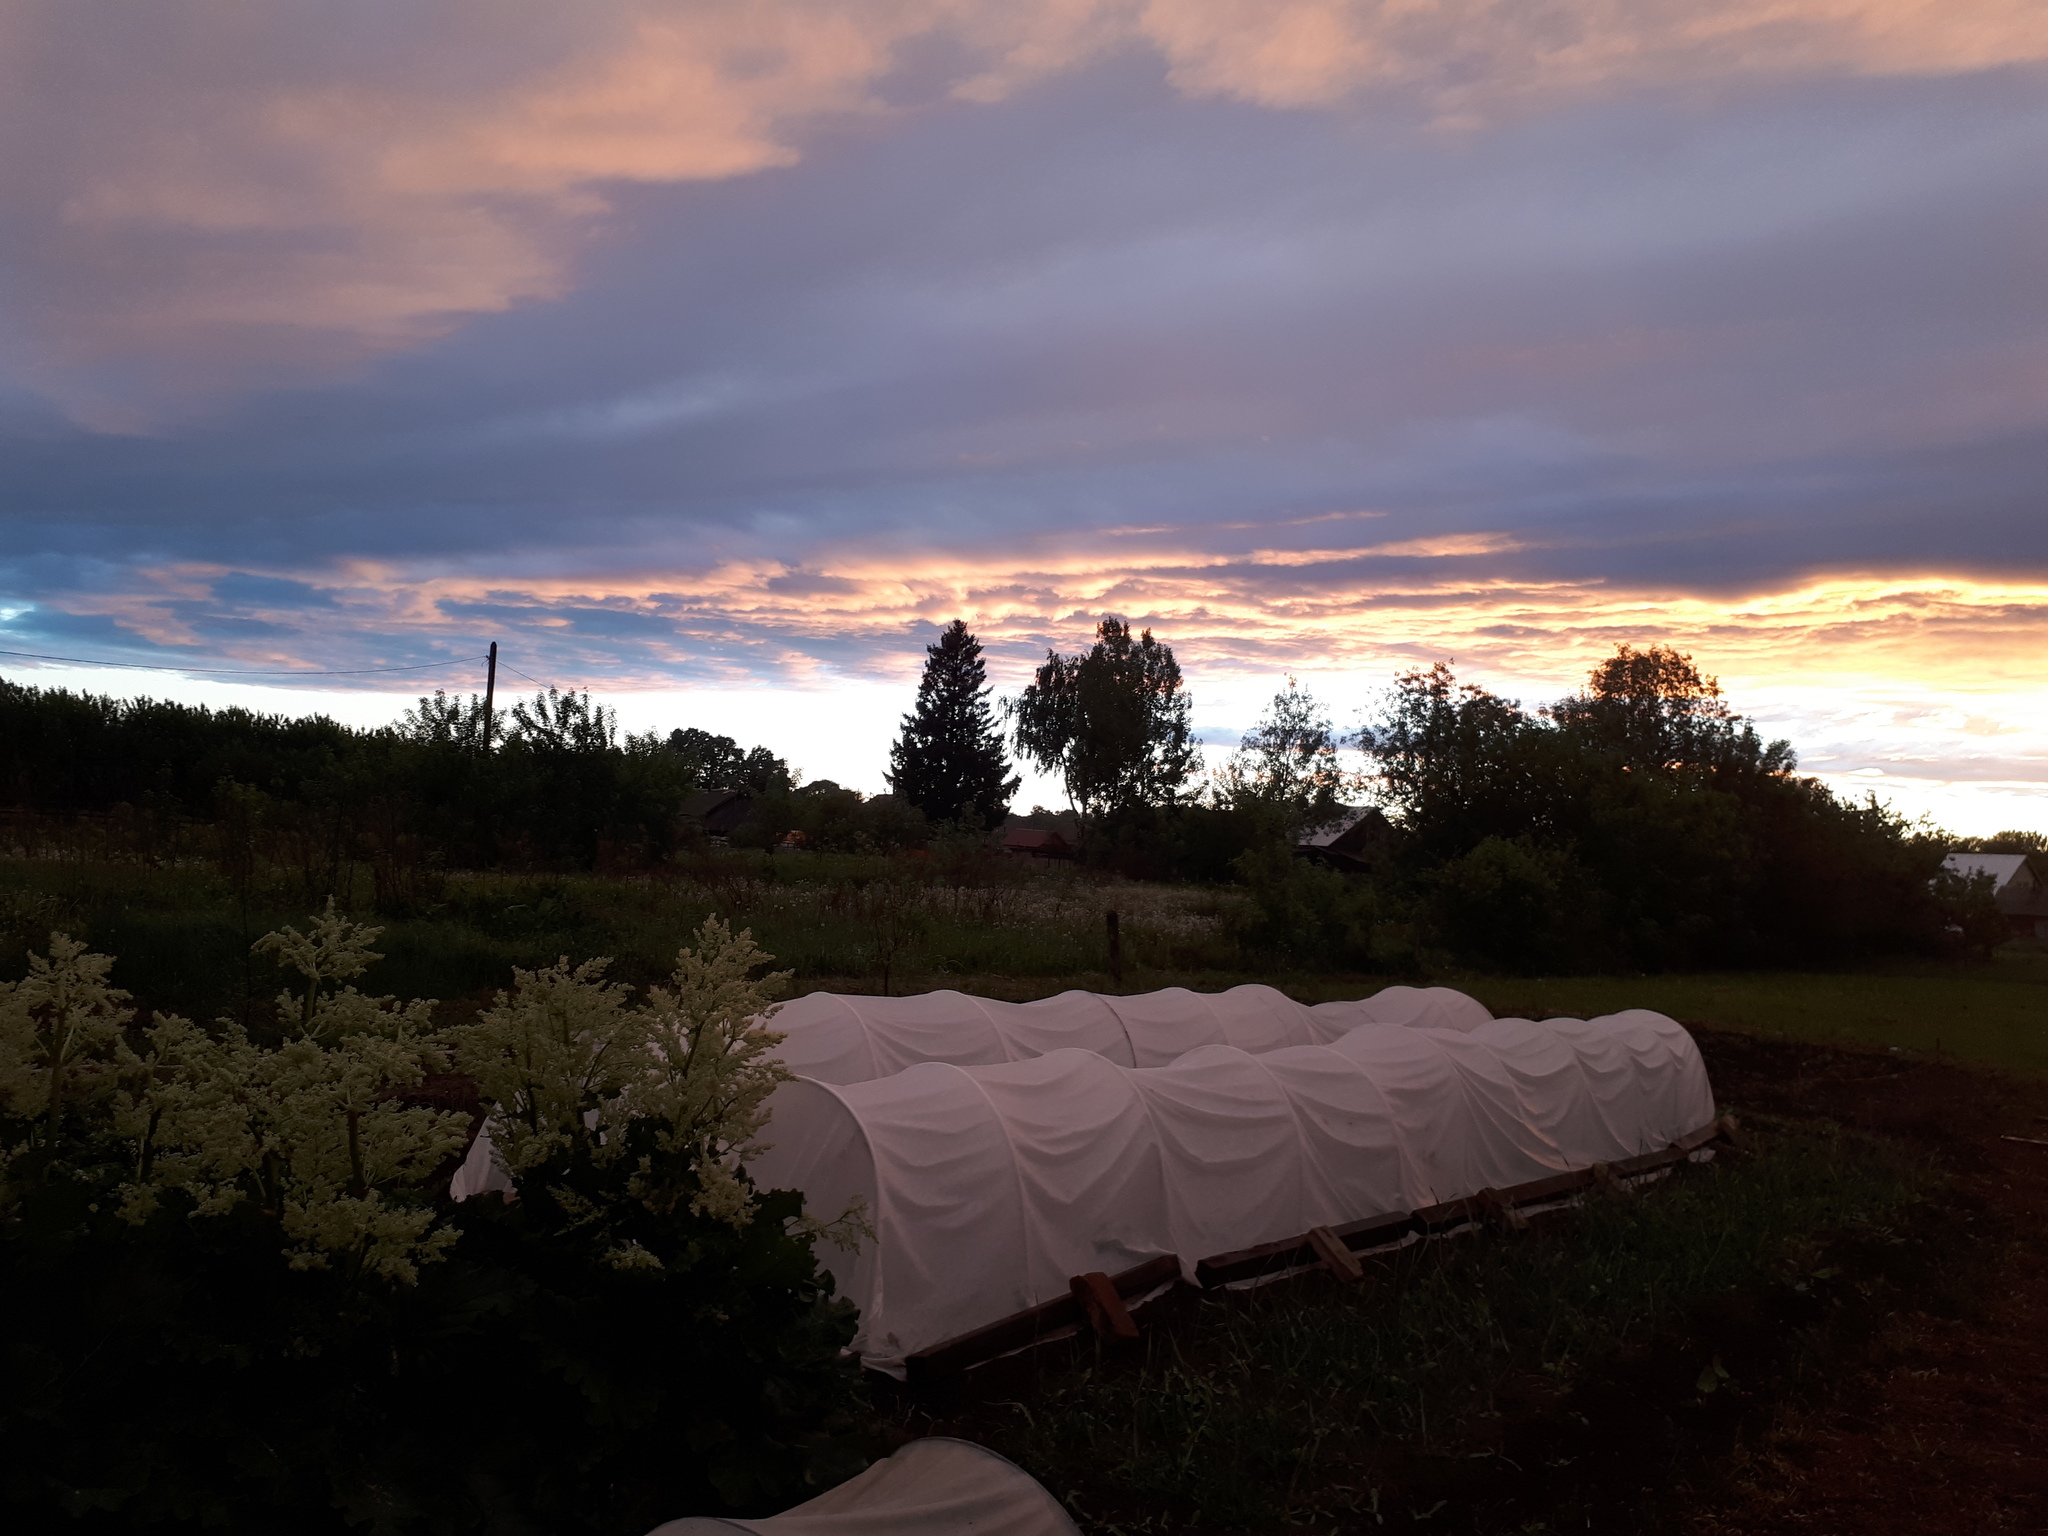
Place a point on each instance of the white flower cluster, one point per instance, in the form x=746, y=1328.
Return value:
x=317, y=1131
x=569, y=1062
x=314, y=1130
x=60, y=1035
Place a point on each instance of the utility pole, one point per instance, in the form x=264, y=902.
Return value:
x=490, y=693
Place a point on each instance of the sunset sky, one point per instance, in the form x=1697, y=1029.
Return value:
x=712, y=355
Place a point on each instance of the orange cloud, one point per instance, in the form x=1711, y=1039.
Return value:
x=1227, y=618
x=1469, y=55
x=1924, y=689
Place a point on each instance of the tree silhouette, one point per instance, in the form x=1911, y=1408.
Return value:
x=949, y=761
x=1653, y=709
x=717, y=762
x=1114, y=722
x=1287, y=762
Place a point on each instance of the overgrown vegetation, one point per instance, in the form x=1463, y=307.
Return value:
x=182, y=932
x=1640, y=824
x=559, y=788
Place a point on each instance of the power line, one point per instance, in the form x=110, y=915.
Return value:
x=137, y=666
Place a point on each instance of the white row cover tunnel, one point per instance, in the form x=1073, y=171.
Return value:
x=840, y=1038
x=991, y=1171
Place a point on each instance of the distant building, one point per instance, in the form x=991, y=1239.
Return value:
x=1355, y=839
x=2016, y=885
x=1036, y=843
x=718, y=811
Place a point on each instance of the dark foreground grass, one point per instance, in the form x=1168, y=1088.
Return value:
x=1306, y=1401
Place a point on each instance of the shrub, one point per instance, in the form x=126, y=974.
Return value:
x=1513, y=904
x=256, y=1306
x=1309, y=914
x=830, y=819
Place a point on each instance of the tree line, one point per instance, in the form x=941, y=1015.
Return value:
x=1640, y=822
x=560, y=785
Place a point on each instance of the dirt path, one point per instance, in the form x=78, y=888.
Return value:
x=1944, y=1427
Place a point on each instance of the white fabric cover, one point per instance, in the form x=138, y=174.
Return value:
x=847, y=1038
x=479, y=1173
x=934, y=1487
x=834, y=1037
x=988, y=1185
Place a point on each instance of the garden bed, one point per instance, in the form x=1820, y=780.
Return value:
x=1702, y=1358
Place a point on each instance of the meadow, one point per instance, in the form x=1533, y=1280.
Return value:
x=958, y=918
x=1991, y=1012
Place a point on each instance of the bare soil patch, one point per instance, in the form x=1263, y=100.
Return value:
x=1941, y=1422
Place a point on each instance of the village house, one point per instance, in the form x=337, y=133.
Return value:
x=2016, y=884
x=1354, y=840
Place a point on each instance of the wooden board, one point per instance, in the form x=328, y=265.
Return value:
x=1022, y=1329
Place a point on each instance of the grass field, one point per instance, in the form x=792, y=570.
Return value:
x=181, y=935
x=1995, y=1014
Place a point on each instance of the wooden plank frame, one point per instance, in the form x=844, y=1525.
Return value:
x=1102, y=1306
x=1336, y=1254
x=1020, y=1330
x=1501, y=1207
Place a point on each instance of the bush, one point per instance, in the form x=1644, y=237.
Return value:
x=1515, y=906
x=1311, y=915
x=1640, y=824
x=256, y=1306
x=556, y=789
x=1200, y=843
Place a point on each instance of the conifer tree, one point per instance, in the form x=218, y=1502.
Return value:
x=949, y=761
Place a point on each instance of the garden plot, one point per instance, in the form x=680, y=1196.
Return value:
x=992, y=1175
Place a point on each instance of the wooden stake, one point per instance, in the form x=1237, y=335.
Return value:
x=1338, y=1259
x=1020, y=1330
x=1116, y=947
x=1499, y=1210
x=1101, y=1305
